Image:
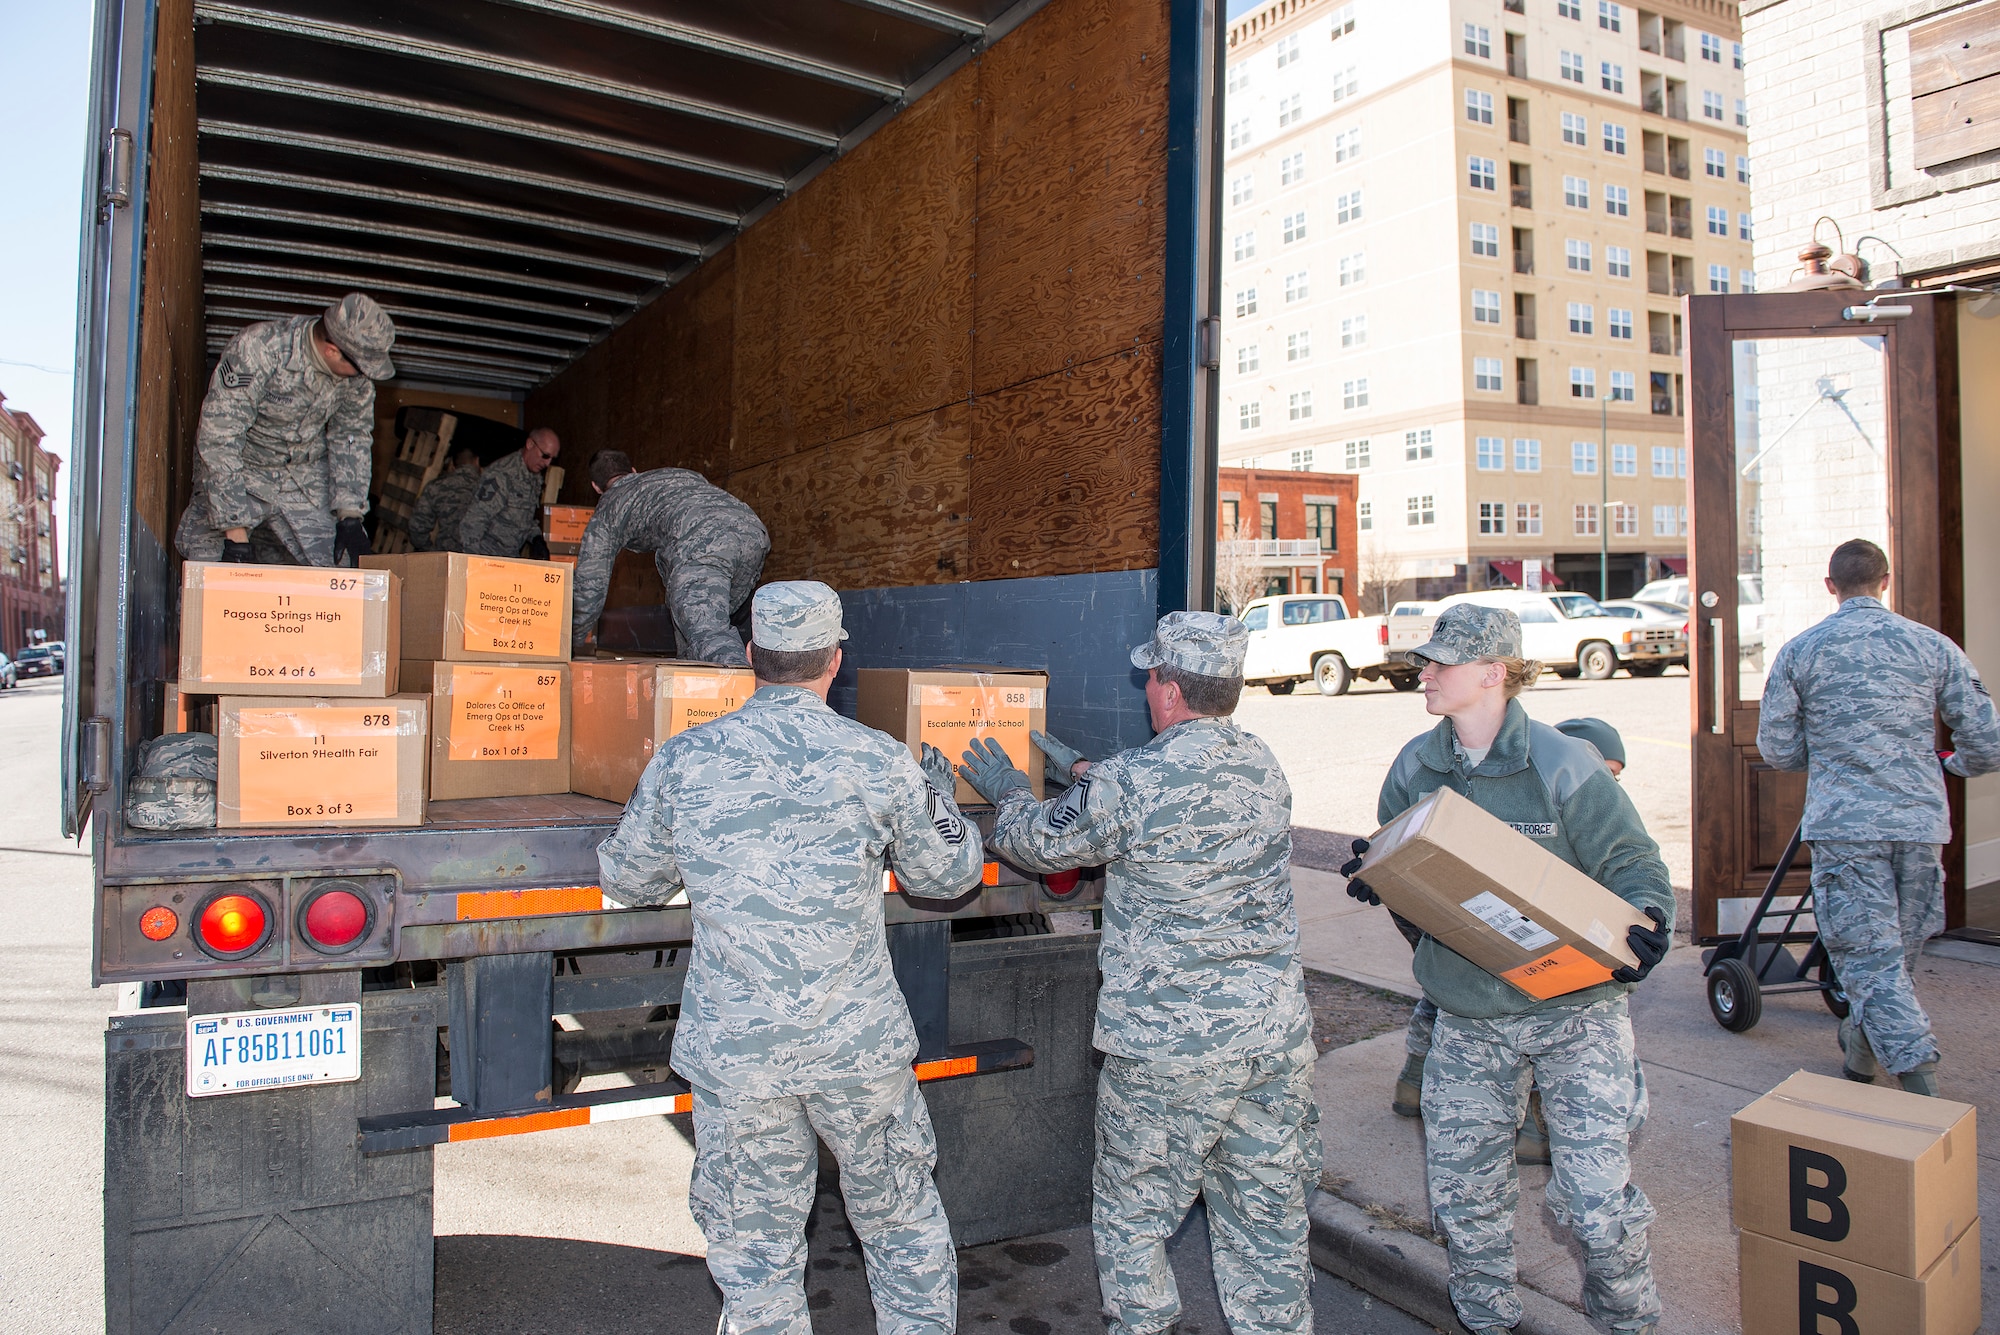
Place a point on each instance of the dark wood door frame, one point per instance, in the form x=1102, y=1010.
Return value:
x=1925, y=551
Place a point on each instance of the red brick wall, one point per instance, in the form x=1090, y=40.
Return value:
x=1291, y=489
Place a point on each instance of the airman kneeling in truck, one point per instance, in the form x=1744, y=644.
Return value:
x=1207, y=1081
x=777, y=821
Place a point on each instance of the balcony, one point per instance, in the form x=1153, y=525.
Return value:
x=1682, y=228
x=1272, y=551
x=1524, y=326
x=1523, y=263
x=1664, y=346
x=1656, y=222
x=1523, y=197
x=1517, y=131
x=1517, y=6
x=1656, y=161
x=1517, y=56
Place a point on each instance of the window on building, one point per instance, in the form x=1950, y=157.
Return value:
x=1624, y=521
x=1577, y=255
x=1482, y=173
x=1231, y=510
x=1581, y=318
x=1718, y=221
x=1743, y=228
x=1490, y=454
x=1347, y=208
x=1718, y=278
x=1586, y=519
x=1346, y=148
x=1714, y=162
x=1239, y=78
x=1244, y=245
x=1353, y=331
x=1610, y=17
x=1746, y=280
x=1478, y=107
x=1618, y=261
x=1492, y=519
x=1420, y=510
x=1582, y=382
x=1297, y=286
x=1288, y=50
x=1618, y=201
x=1528, y=519
x=1485, y=306
x=1486, y=374
x=1302, y=461
x=1711, y=47
x=1239, y=133
x=1576, y=129
x=1527, y=456
x=1742, y=170
x=1742, y=112
x=1295, y=227
x=1364, y=515
x=1618, y=322
x=1292, y=168
x=1320, y=524
x=1342, y=20
x=1611, y=76
x=1267, y=519
x=1300, y=405
x=1246, y=358
x=1625, y=389
x=1416, y=445
x=1736, y=54
x=1583, y=458
x=1663, y=521
x=1614, y=139
x=1624, y=460
x=1243, y=189
x=1486, y=240
x=1357, y=455
x=1299, y=346
x=1478, y=41
x=1354, y=393
x=1711, y=105
x=1246, y=302
x=1570, y=9
x=1346, y=83
x=1571, y=64
x=1663, y=461
x=1576, y=192
x=1291, y=109
x=1353, y=268
x=1249, y=416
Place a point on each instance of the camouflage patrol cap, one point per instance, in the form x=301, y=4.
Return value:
x=1464, y=632
x=1205, y=643
x=1598, y=733
x=795, y=616
x=364, y=332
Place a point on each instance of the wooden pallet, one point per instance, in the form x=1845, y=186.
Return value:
x=421, y=457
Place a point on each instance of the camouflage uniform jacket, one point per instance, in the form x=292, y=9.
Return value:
x=1554, y=789
x=1200, y=954
x=778, y=820
x=506, y=511
x=677, y=514
x=440, y=508
x=1854, y=702
x=280, y=432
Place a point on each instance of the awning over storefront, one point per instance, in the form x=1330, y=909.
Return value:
x=1507, y=574
x=1675, y=565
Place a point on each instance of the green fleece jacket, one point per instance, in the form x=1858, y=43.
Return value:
x=1554, y=789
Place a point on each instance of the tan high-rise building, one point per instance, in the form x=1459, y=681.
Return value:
x=1455, y=237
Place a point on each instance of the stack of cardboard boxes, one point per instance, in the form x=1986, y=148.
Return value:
x=562, y=529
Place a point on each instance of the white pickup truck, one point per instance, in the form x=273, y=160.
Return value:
x=1568, y=632
x=1312, y=637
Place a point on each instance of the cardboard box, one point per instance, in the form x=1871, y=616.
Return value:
x=1778, y=1279
x=949, y=706
x=563, y=526
x=624, y=709
x=497, y=729
x=289, y=630
x=1487, y=891
x=1860, y=1172
x=460, y=608
x=311, y=762
x=187, y=713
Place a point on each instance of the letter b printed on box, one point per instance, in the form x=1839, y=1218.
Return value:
x=1806, y=1194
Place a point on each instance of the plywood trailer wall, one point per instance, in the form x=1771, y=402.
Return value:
x=940, y=360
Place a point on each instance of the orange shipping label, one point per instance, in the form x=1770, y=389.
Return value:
x=262, y=625
x=1558, y=973
x=513, y=607
x=949, y=717
x=565, y=523
x=503, y=713
x=297, y=766
x=703, y=697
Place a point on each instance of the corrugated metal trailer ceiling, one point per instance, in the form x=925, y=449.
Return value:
x=512, y=179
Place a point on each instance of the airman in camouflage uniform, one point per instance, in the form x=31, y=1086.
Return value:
x=1491, y=1040
x=1854, y=701
x=506, y=512
x=1207, y=1080
x=435, y=518
x=708, y=546
x=284, y=448
x=778, y=821
x=173, y=787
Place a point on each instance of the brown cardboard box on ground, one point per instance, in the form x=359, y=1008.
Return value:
x=1786, y=1289
x=1487, y=891
x=949, y=706
x=624, y=709
x=497, y=729
x=288, y=630
x=321, y=762
x=1859, y=1172
x=461, y=608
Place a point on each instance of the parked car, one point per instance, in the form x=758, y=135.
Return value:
x=1409, y=626
x=1749, y=610
x=1654, y=615
x=1574, y=637
x=1311, y=637
x=10, y=677
x=38, y=660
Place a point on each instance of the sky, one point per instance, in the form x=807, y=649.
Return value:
x=42, y=103
x=1238, y=8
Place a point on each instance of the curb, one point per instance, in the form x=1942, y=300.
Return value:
x=1408, y=1271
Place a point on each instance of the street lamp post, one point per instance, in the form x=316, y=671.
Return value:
x=1603, y=501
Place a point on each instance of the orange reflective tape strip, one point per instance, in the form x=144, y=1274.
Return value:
x=950, y=1066
x=514, y=1126
x=889, y=886
x=478, y=904
x=990, y=874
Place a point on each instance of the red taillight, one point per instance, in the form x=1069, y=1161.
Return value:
x=334, y=920
x=232, y=926
x=1382, y=633
x=1060, y=883
x=158, y=923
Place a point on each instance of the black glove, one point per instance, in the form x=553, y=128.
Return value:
x=1360, y=890
x=538, y=548
x=237, y=553
x=350, y=542
x=1649, y=946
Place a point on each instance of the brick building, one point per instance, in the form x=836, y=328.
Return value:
x=1295, y=529
x=31, y=598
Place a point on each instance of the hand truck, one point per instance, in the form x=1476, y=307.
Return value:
x=1758, y=962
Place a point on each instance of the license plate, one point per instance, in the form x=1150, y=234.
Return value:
x=246, y=1050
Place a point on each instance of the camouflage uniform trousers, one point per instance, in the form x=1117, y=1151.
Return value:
x=1475, y=1091
x=703, y=589
x=296, y=536
x=755, y=1167
x=1243, y=1133
x=1876, y=904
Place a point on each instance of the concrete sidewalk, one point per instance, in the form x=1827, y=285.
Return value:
x=1370, y=1227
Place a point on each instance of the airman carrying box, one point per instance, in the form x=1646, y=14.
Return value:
x=321, y=762
x=624, y=709
x=949, y=706
x=461, y=608
x=497, y=729
x=1482, y=888
x=289, y=630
